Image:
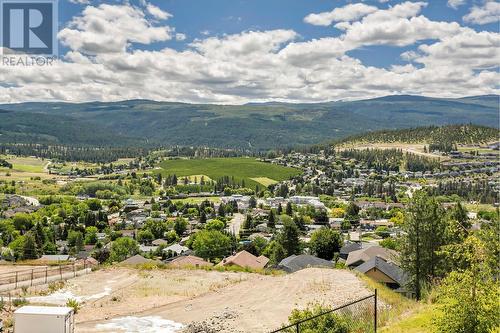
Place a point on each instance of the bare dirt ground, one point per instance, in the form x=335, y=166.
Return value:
x=417, y=149
x=239, y=302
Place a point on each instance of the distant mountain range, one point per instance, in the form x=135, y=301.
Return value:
x=256, y=126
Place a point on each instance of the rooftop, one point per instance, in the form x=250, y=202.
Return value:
x=44, y=310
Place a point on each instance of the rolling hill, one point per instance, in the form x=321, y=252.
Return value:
x=253, y=126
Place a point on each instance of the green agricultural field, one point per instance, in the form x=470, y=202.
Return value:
x=25, y=164
x=248, y=169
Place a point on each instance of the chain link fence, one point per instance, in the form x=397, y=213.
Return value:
x=359, y=316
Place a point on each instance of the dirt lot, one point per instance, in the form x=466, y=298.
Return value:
x=129, y=300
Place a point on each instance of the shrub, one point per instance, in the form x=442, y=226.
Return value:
x=73, y=303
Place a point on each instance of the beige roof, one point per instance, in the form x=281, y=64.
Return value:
x=361, y=256
x=189, y=261
x=245, y=259
x=135, y=260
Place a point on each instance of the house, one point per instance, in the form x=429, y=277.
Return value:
x=136, y=260
x=146, y=248
x=383, y=271
x=189, y=261
x=295, y=263
x=348, y=248
x=159, y=241
x=176, y=249
x=54, y=257
x=245, y=259
x=358, y=257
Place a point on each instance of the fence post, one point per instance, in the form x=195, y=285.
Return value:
x=60, y=271
x=46, y=273
x=32, y=275
x=375, y=313
x=16, y=280
x=297, y=326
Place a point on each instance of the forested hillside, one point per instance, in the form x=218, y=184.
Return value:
x=142, y=123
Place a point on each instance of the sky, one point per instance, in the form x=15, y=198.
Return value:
x=240, y=51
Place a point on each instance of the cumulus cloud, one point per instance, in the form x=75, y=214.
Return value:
x=455, y=3
x=347, y=13
x=110, y=28
x=257, y=65
x=488, y=13
x=157, y=12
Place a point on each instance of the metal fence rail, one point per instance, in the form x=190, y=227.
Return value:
x=359, y=316
x=42, y=274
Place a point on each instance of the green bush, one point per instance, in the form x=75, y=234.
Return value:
x=74, y=304
x=328, y=323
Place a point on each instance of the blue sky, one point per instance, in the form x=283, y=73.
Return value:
x=219, y=17
x=199, y=41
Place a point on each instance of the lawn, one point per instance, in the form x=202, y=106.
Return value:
x=25, y=164
x=241, y=168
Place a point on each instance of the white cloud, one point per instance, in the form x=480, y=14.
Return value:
x=347, y=13
x=257, y=65
x=179, y=36
x=488, y=13
x=110, y=28
x=82, y=2
x=456, y=3
x=157, y=12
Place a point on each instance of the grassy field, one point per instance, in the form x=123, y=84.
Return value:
x=197, y=200
x=241, y=168
x=25, y=164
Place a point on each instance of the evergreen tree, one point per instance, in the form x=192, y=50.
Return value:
x=289, y=237
x=271, y=221
x=289, y=209
x=424, y=235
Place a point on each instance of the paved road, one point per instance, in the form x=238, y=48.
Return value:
x=235, y=224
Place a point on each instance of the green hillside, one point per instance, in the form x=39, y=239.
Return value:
x=253, y=126
x=460, y=134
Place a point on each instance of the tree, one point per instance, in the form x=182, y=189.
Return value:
x=289, y=209
x=248, y=223
x=30, y=250
x=180, y=226
x=145, y=236
x=211, y=244
x=215, y=224
x=289, y=237
x=122, y=248
x=259, y=244
x=338, y=212
x=221, y=211
x=275, y=252
x=22, y=222
x=468, y=297
x=252, y=203
x=271, y=221
x=91, y=235
x=75, y=241
x=157, y=227
x=382, y=231
x=325, y=242
x=352, y=212
x=279, y=211
x=424, y=235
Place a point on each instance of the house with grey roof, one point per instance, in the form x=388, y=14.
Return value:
x=385, y=272
x=295, y=263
